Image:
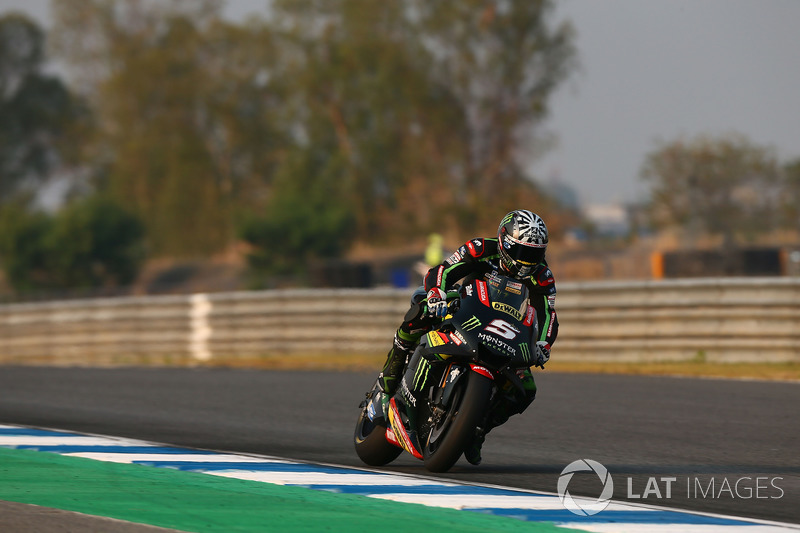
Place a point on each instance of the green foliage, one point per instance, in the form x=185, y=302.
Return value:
x=302, y=223
x=92, y=243
x=411, y=112
x=36, y=110
x=427, y=102
x=23, y=253
x=186, y=136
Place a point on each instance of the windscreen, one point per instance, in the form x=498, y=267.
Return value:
x=509, y=292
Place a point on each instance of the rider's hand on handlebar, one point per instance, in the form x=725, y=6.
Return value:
x=542, y=353
x=437, y=302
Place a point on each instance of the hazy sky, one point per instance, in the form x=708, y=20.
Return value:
x=655, y=70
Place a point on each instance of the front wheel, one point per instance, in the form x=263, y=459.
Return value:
x=454, y=429
x=371, y=444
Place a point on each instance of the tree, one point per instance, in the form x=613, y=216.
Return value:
x=185, y=134
x=37, y=111
x=94, y=243
x=724, y=186
x=790, y=198
x=23, y=255
x=306, y=220
x=502, y=60
x=428, y=102
x=90, y=243
x=412, y=112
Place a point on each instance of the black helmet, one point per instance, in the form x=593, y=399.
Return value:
x=522, y=240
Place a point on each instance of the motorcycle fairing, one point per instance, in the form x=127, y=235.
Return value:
x=406, y=439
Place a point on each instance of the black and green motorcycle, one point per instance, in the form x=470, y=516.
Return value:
x=458, y=373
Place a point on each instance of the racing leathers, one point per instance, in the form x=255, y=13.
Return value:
x=476, y=259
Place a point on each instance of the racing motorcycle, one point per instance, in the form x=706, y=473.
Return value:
x=458, y=373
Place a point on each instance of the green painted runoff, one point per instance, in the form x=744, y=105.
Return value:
x=202, y=503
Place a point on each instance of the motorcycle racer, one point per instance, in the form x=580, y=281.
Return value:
x=518, y=252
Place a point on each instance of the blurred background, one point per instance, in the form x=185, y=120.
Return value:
x=180, y=146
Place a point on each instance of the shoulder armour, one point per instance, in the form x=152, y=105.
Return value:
x=475, y=247
x=542, y=277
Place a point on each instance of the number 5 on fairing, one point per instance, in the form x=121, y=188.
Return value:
x=502, y=328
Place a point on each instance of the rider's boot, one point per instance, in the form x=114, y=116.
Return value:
x=473, y=452
x=499, y=416
x=404, y=344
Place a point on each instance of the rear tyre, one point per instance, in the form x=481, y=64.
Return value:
x=455, y=429
x=371, y=444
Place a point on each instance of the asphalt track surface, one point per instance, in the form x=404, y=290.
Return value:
x=732, y=447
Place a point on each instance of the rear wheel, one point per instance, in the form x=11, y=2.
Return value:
x=371, y=444
x=454, y=428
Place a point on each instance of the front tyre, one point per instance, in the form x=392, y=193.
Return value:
x=371, y=444
x=455, y=429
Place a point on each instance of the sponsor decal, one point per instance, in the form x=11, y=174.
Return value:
x=439, y=274
x=493, y=278
x=434, y=339
x=513, y=286
x=526, y=351
x=454, y=373
x=483, y=371
x=550, y=328
x=507, y=309
x=530, y=316
x=457, y=338
x=483, y=293
x=391, y=437
x=455, y=258
x=421, y=375
x=472, y=250
x=406, y=392
x=471, y=324
x=498, y=344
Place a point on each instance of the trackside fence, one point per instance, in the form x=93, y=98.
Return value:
x=725, y=319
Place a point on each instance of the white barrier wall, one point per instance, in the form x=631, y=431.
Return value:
x=727, y=319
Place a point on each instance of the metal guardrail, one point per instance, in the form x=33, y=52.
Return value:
x=727, y=319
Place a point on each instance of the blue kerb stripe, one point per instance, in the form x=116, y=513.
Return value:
x=66, y=448
x=611, y=517
x=36, y=432
x=464, y=490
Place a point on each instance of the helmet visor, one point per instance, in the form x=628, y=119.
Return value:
x=527, y=254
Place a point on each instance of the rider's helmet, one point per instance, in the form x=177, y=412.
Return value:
x=522, y=240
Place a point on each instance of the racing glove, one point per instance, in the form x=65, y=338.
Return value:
x=437, y=302
x=542, y=353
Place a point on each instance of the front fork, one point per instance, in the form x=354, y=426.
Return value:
x=443, y=394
